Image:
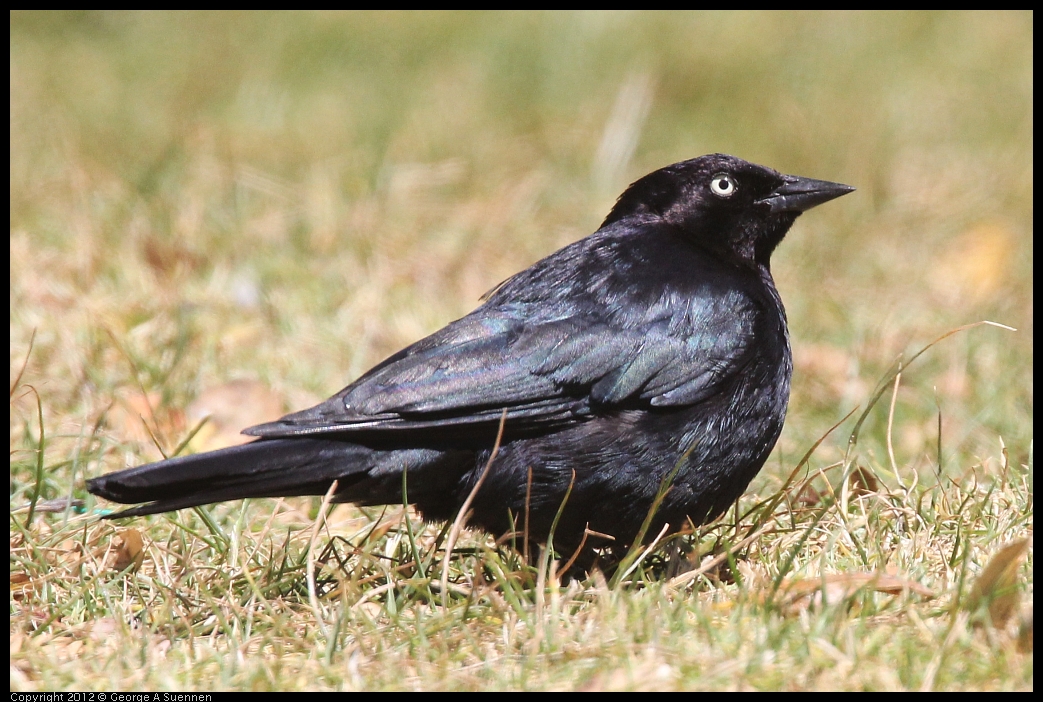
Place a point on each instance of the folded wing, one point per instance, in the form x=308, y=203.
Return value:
x=546, y=373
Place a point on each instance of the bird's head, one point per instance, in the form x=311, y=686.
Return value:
x=730, y=206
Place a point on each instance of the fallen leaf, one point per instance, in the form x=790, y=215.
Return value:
x=997, y=586
x=1025, y=634
x=809, y=496
x=863, y=482
x=127, y=550
x=22, y=586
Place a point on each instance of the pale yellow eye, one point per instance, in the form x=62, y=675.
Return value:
x=723, y=185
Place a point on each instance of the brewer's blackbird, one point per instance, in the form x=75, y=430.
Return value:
x=658, y=342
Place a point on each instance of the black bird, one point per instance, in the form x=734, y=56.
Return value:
x=657, y=342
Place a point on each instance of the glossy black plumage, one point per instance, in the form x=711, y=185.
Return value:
x=658, y=339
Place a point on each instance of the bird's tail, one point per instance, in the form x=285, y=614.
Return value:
x=266, y=468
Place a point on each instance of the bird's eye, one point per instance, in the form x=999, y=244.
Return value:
x=723, y=185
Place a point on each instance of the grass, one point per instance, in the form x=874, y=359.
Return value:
x=236, y=214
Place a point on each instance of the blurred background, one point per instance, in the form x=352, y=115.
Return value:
x=239, y=213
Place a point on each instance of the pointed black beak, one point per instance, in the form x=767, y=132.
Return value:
x=799, y=194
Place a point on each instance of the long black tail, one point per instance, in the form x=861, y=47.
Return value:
x=266, y=468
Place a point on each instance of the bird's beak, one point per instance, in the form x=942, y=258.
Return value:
x=799, y=194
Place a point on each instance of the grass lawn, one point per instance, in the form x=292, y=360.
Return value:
x=233, y=215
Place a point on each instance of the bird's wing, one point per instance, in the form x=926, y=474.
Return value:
x=542, y=373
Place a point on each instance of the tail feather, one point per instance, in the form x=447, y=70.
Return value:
x=266, y=468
